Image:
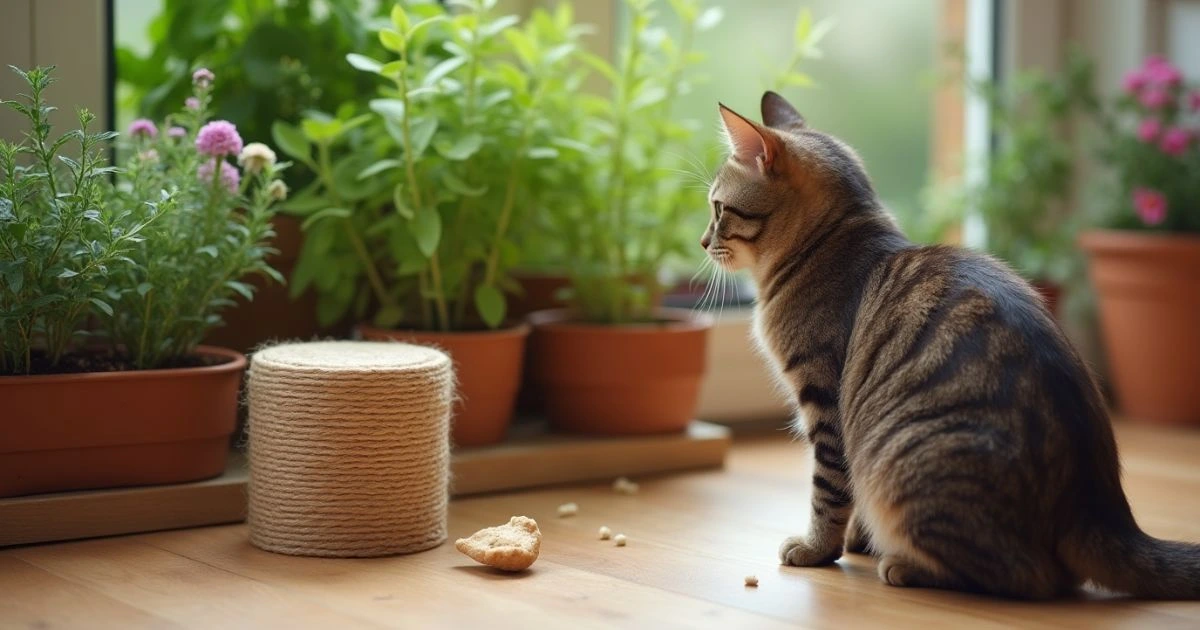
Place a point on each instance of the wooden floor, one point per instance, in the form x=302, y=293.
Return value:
x=692, y=539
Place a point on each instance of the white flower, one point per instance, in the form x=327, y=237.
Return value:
x=277, y=190
x=256, y=156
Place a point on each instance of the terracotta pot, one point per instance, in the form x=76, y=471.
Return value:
x=273, y=314
x=109, y=429
x=1149, y=297
x=620, y=380
x=487, y=366
x=1051, y=294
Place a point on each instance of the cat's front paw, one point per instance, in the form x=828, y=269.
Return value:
x=796, y=551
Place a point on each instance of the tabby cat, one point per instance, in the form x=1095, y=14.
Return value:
x=957, y=434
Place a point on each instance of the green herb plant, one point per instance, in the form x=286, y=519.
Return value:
x=61, y=243
x=412, y=214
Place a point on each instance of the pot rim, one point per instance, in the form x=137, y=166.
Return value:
x=1102, y=241
x=235, y=362
x=678, y=320
x=521, y=329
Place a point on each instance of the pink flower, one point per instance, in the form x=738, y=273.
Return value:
x=218, y=138
x=1134, y=82
x=230, y=177
x=192, y=103
x=1150, y=204
x=203, y=77
x=1154, y=98
x=1160, y=72
x=143, y=127
x=1175, y=141
x=1194, y=101
x=176, y=132
x=1149, y=129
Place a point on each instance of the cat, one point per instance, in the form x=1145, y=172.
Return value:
x=957, y=434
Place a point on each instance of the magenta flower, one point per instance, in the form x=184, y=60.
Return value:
x=1194, y=101
x=1134, y=81
x=1151, y=205
x=219, y=138
x=1175, y=141
x=176, y=132
x=192, y=103
x=1149, y=130
x=230, y=177
x=203, y=77
x=1160, y=72
x=143, y=127
x=1154, y=98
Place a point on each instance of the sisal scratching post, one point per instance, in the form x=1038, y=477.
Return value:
x=349, y=448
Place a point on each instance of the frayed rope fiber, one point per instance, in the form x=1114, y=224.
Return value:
x=349, y=445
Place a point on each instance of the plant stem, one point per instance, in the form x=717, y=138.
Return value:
x=435, y=270
x=325, y=172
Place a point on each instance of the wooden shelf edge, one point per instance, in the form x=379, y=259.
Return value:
x=525, y=462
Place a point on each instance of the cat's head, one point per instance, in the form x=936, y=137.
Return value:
x=782, y=181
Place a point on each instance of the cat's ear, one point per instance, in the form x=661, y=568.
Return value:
x=778, y=113
x=750, y=143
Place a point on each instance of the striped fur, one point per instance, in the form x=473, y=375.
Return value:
x=956, y=433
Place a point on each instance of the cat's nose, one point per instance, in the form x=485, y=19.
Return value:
x=704, y=240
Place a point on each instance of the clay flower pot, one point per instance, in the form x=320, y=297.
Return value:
x=109, y=429
x=620, y=380
x=487, y=367
x=1149, y=298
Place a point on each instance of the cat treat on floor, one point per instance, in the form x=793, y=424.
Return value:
x=623, y=485
x=605, y=533
x=568, y=509
x=510, y=547
x=752, y=580
x=620, y=540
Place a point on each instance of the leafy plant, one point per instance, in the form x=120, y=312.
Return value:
x=276, y=59
x=411, y=216
x=1150, y=139
x=61, y=243
x=150, y=260
x=212, y=227
x=1028, y=175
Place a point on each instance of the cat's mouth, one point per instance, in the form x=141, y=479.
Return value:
x=722, y=255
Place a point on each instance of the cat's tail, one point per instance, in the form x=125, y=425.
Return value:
x=1127, y=560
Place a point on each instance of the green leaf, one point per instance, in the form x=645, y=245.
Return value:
x=389, y=316
x=650, y=95
x=292, y=141
x=426, y=23
x=364, y=63
x=242, y=288
x=797, y=79
x=600, y=65
x=144, y=288
x=490, y=304
x=400, y=18
x=392, y=40
x=426, y=228
x=458, y=186
x=421, y=133
x=321, y=131
x=542, y=153
x=327, y=213
x=389, y=108
x=68, y=273
x=393, y=68
x=303, y=204
x=438, y=72
x=463, y=148
x=379, y=167
x=401, y=205
x=102, y=305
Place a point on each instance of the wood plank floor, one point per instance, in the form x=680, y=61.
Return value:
x=692, y=539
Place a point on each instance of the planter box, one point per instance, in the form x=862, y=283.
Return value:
x=110, y=429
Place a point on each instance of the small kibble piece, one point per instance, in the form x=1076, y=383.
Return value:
x=605, y=533
x=751, y=580
x=510, y=547
x=619, y=539
x=568, y=509
x=623, y=485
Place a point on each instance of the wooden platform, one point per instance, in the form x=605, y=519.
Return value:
x=531, y=457
x=692, y=539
